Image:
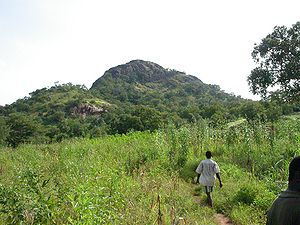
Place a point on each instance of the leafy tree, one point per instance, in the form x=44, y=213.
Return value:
x=191, y=114
x=4, y=130
x=209, y=111
x=287, y=109
x=278, y=59
x=22, y=129
x=273, y=111
x=73, y=128
x=149, y=117
x=218, y=119
x=54, y=117
x=53, y=132
x=252, y=111
x=126, y=122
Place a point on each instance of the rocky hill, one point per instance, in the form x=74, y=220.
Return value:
x=138, y=95
x=147, y=83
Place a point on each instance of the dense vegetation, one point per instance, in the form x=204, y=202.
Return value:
x=136, y=96
x=51, y=114
x=147, y=178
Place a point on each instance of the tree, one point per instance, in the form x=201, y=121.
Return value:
x=4, y=130
x=278, y=59
x=150, y=118
x=273, y=111
x=126, y=122
x=22, y=129
x=252, y=111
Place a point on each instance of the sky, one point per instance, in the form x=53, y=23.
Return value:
x=76, y=41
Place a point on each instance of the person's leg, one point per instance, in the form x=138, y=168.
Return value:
x=209, y=200
x=208, y=193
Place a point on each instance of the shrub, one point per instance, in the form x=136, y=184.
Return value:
x=28, y=201
x=243, y=214
x=264, y=198
x=188, y=171
x=246, y=194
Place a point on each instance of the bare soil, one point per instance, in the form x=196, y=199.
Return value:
x=221, y=219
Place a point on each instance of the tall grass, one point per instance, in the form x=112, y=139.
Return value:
x=258, y=152
x=113, y=180
x=146, y=178
x=264, y=150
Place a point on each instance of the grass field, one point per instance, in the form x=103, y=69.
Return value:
x=147, y=178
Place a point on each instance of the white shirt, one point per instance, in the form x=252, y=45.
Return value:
x=208, y=169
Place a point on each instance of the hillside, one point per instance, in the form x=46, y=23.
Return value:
x=136, y=96
x=51, y=114
x=147, y=83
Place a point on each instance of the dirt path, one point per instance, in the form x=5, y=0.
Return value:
x=221, y=219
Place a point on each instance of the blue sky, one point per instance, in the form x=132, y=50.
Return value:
x=45, y=41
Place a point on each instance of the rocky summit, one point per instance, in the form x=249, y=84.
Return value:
x=147, y=83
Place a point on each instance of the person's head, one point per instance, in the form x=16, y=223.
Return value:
x=294, y=170
x=208, y=154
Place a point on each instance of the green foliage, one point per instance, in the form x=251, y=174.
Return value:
x=242, y=214
x=149, y=117
x=137, y=158
x=29, y=200
x=73, y=128
x=117, y=179
x=188, y=171
x=126, y=123
x=278, y=58
x=141, y=95
x=246, y=194
x=148, y=84
x=87, y=182
x=4, y=130
x=243, y=197
x=252, y=111
x=273, y=112
x=22, y=129
x=140, y=177
x=263, y=199
x=178, y=146
x=52, y=114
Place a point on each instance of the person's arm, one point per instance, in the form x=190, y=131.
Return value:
x=219, y=178
x=199, y=171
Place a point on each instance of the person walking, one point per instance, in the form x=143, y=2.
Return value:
x=285, y=210
x=207, y=171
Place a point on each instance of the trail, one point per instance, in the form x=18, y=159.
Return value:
x=221, y=219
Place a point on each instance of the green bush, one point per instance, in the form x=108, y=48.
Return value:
x=248, y=215
x=29, y=200
x=264, y=199
x=188, y=171
x=246, y=194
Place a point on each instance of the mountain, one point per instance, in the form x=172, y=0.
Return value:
x=138, y=95
x=146, y=83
